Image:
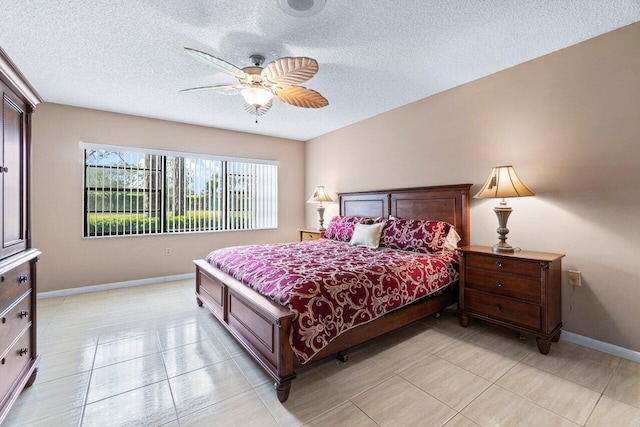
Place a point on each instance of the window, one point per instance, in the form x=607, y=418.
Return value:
x=130, y=191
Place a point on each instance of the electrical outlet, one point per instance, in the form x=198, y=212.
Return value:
x=167, y=251
x=575, y=278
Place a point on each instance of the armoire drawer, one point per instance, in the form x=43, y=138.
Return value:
x=14, y=283
x=14, y=321
x=13, y=361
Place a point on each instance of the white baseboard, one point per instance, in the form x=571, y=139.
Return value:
x=604, y=347
x=116, y=285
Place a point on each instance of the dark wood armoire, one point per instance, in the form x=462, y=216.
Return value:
x=18, y=351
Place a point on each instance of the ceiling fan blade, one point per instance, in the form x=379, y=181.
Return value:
x=222, y=89
x=301, y=97
x=290, y=71
x=252, y=110
x=214, y=62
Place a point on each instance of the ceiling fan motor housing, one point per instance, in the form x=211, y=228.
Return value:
x=301, y=8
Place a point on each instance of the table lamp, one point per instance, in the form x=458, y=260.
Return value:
x=320, y=194
x=503, y=182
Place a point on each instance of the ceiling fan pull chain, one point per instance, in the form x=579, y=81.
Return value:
x=256, y=114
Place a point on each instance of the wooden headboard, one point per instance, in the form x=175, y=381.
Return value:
x=445, y=202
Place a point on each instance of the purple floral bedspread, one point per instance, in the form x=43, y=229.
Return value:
x=332, y=286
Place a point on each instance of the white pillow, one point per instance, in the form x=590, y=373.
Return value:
x=367, y=235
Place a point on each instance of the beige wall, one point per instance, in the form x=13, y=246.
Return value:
x=570, y=124
x=69, y=261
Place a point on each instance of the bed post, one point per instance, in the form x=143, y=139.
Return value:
x=282, y=390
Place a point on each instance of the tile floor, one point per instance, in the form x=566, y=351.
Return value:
x=150, y=356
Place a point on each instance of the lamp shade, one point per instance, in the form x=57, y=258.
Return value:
x=256, y=97
x=320, y=194
x=503, y=182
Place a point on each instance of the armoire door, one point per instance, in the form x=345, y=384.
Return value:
x=13, y=182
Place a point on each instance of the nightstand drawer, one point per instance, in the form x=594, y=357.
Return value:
x=306, y=235
x=503, y=308
x=503, y=284
x=504, y=265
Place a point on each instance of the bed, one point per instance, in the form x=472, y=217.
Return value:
x=264, y=327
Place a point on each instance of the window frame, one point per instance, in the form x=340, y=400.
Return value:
x=162, y=194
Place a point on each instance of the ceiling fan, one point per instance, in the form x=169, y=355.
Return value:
x=258, y=85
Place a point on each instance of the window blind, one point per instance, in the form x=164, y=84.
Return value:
x=131, y=191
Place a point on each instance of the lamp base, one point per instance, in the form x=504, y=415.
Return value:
x=502, y=247
x=321, y=218
x=502, y=212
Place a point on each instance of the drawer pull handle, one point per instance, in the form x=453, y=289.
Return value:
x=2, y=278
x=499, y=283
x=498, y=264
x=498, y=307
x=3, y=361
x=23, y=279
x=23, y=351
x=4, y=320
x=24, y=313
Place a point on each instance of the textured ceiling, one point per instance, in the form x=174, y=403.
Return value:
x=374, y=55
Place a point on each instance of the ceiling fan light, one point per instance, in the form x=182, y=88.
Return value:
x=256, y=97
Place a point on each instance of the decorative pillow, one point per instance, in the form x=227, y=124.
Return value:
x=367, y=235
x=341, y=227
x=427, y=236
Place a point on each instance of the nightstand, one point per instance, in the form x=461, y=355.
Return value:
x=520, y=291
x=310, y=235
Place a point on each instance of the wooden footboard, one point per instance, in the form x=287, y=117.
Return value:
x=263, y=327
x=260, y=326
